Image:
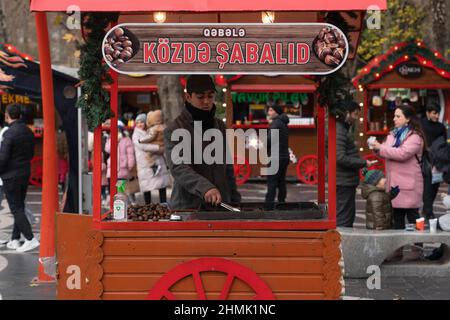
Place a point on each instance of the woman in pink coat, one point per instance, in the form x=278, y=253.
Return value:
x=402, y=151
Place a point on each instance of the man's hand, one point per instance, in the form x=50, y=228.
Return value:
x=213, y=196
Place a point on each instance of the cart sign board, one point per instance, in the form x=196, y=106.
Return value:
x=294, y=48
x=409, y=70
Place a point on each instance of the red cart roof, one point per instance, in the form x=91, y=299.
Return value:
x=206, y=5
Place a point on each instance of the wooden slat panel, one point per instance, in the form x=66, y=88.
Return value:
x=215, y=233
x=72, y=246
x=278, y=283
x=214, y=247
x=147, y=265
x=191, y=296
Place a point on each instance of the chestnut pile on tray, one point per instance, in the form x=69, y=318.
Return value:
x=148, y=212
x=330, y=46
x=118, y=48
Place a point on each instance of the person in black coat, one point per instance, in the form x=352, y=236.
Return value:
x=278, y=180
x=199, y=184
x=16, y=152
x=440, y=149
x=348, y=164
x=433, y=129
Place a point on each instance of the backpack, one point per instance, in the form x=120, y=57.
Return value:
x=426, y=166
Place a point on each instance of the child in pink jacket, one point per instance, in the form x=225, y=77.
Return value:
x=126, y=159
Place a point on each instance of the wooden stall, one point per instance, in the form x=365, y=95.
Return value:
x=19, y=83
x=248, y=98
x=209, y=257
x=409, y=72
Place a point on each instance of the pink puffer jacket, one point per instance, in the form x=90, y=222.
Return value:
x=126, y=158
x=403, y=170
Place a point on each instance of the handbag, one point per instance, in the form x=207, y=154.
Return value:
x=426, y=166
x=132, y=185
x=438, y=177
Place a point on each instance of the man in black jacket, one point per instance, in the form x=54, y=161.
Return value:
x=16, y=152
x=279, y=122
x=433, y=129
x=348, y=164
x=196, y=184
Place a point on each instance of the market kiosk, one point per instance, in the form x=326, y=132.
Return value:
x=408, y=72
x=248, y=99
x=290, y=253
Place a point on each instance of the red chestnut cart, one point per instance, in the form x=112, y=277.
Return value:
x=294, y=255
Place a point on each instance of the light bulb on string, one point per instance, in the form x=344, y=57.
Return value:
x=159, y=16
x=268, y=16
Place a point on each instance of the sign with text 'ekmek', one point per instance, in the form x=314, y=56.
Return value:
x=297, y=48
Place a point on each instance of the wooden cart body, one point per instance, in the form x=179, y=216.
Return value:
x=128, y=264
x=243, y=259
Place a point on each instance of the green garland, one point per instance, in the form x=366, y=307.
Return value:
x=94, y=100
x=410, y=49
x=334, y=90
x=334, y=93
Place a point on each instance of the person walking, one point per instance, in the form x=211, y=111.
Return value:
x=16, y=152
x=402, y=150
x=196, y=184
x=433, y=130
x=150, y=155
x=348, y=164
x=279, y=121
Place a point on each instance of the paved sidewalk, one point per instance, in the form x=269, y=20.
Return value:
x=18, y=270
x=401, y=288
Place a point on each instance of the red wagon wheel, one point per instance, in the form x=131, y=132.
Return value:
x=380, y=165
x=308, y=169
x=241, y=171
x=198, y=267
x=36, y=172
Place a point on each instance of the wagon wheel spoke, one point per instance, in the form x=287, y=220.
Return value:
x=195, y=268
x=169, y=295
x=226, y=287
x=199, y=286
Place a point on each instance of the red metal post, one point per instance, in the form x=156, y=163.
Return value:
x=97, y=175
x=366, y=111
x=114, y=96
x=332, y=169
x=50, y=181
x=321, y=153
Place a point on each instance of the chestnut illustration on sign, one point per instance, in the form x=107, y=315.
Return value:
x=120, y=46
x=329, y=46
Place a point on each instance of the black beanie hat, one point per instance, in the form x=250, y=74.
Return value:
x=200, y=83
x=278, y=109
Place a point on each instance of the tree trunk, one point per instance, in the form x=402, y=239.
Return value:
x=440, y=34
x=171, y=96
x=3, y=32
